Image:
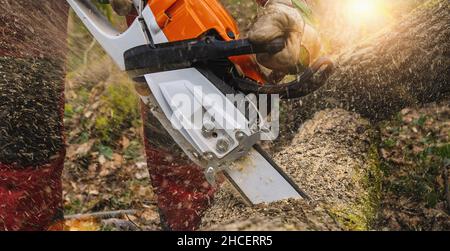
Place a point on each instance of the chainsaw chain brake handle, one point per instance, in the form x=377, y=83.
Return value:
x=145, y=59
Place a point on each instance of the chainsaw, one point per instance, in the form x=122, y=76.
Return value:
x=192, y=48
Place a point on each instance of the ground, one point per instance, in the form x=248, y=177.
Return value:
x=415, y=154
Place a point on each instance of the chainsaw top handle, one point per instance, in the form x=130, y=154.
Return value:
x=146, y=59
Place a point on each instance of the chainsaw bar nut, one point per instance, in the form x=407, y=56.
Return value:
x=222, y=145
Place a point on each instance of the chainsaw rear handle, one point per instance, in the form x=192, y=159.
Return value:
x=184, y=54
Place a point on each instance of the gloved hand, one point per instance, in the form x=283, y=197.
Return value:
x=121, y=7
x=281, y=19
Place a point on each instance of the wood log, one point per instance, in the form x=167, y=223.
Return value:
x=334, y=159
x=404, y=65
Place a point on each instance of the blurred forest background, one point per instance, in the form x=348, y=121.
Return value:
x=106, y=169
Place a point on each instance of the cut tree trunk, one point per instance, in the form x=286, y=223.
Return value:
x=334, y=159
x=32, y=59
x=402, y=66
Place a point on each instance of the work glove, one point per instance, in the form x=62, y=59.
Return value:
x=281, y=19
x=122, y=7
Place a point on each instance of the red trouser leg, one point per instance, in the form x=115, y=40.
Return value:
x=31, y=197
x=32, y=60
x=183, y=193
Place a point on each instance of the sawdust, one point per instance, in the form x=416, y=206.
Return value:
x=37, y=33
x=327, y=152
x=230, y=213
x=330, y=158
x=30, y=125
x=31, y=80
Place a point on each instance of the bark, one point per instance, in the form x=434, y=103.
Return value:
x=406, y=65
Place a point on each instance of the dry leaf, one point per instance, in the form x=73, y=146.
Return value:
x=87, y=224
x=125, y=142
x=118, y=159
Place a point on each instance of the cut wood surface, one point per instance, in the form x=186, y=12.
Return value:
x=333, y=158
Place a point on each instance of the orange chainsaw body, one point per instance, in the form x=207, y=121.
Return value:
x=189, y=19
